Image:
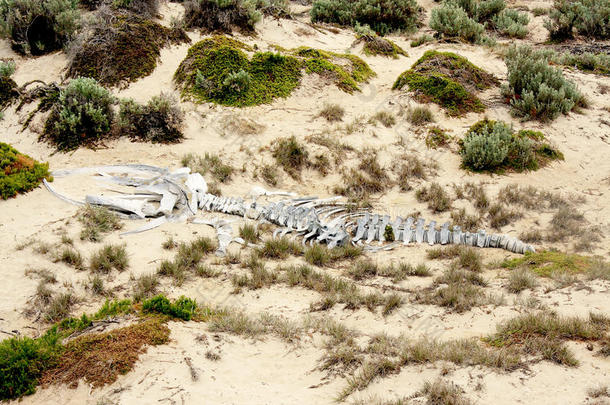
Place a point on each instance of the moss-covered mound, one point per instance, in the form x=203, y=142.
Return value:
x=121, y=48
x=220, y=70
x=448, y=80
x=19, y=173
x=493, y=146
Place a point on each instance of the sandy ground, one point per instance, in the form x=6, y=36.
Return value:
x=271, y=371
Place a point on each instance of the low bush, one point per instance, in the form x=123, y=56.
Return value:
x=422, y=39
x=448, y=80
x=437, y=198
x=183, y=308
x=437, y=138
x=8, y=87
x=209, y=163
x=23, y=360
x=419, y=115
x=19, y=173
x=537, y=90
x=452, y=21
x=377, y=46
x=588, y=18
x=511, y=23
x=382, y=16
x=494, y=146
x=82, y=116
x=147, y=8
x=159, y=121
x=332, y=112
x=222, y=15
x=38, y=27
x=118, y=49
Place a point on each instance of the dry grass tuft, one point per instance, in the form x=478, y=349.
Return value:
x=109, y=257
x=332, y=112
x=437, y=198
x=96, y=222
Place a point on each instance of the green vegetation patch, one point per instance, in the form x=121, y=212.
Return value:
x=447, y=79
x=8, y=87
x=121, y=48
x=382, y=16
x=182, y=308
x=376, y=46
x=19, y=173
x=548, y=262
x=493, y=146
x=219, y=70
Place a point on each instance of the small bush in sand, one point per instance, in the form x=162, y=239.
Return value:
x=377, y=46
x=19, y=173
x=397, y=15
x=536, y=89
x=419, y=115
x=221, y=16
x=511, y=23
x=332, y=112
x=386, y=118
x=279, y=248
x=97, y=221
x=59, y=307
x=249, y=233
x=452, y=21
x=145, y=286
x=82, y=116
x=589, y=18
x=422, y=39
x=291, y=155
x=437, y=198
x=108, y=258
x=183, y=308
x=520, y=280
x=8, y=87
x=38, y=27
x=437, y=138
x=269, y=174
x=71, y=257
x=209, y=163
x=159, y=121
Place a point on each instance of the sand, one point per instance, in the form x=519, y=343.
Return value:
x=270, y=371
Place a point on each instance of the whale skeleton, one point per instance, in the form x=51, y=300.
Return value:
x=177, y=196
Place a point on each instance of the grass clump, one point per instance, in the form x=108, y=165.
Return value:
x=443, y=393
x=38, y=27
x=420, y=115
x=437, y=138
x=97, y=221
x=332, y=112
x=109, y=257
x=437, y=198
x=520, y=280
x=279, y=248
x=23, y=361
x=319, y=255
x=19, y=173
x=381, y=16
x=494, y=147
x=183, y=308
x=547, y=263
x=385, y=118
x=446, y=79
x=422, y=39
x=209, y=163
x=249, y=233
x=537, y=90
x=100, y=358
x=120, y=48
x=187, y=259
x=159, y=121
x=589, y=18
x=145, y=286
x=83, y=115
x=291, y=155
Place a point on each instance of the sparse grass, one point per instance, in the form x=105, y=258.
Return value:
x=321, y=256
x=249, y=233
x=500, y=215
x=71, y=257
x=547, y=262
x=269, y=174
x=291, y=155
x=422, y=39
x=437, y=138
x=145, y=286
x=97, y=285
x=419, y=115
x=108, y=258
x=532, y=236
x=397, y=272
x=59, y=307
x=46, y=276
x=521, y=279
x=183, y=308
x=442, y=392
x=467, y=222
x=279, y=248
x=209, y=163
x=437, y=198
x=386, y=118
x=459, y=297
x=169, y=244
x=332, y=112
x=97, y=221
x=187, y=259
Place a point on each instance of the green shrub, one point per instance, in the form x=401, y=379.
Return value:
x=182, y=308
x=493, y=146
x=19, y=173
x=148, y=8
x=537, y=90
x=7, y=69
x=375, y=45
x=222, y=15
x=8, y=87
x=511, y=23
x=23, y=360
x=82, y=116
x=118, y=49
x=38, y=26
x=383, y=16
x=443, y=78
x=590, y=18
x=436, y=138
x=159, y=121
x=452, y=21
